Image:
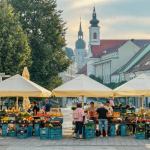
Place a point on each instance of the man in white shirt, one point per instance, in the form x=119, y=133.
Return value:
x=109, y=108
x=111, y=102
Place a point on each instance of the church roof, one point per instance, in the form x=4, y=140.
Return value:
x=69, y=52
x=80, y=44
x=104, y=45
x=83, y=70
x=112, y=45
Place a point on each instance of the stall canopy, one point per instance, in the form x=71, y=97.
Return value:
x=18, y=86
x=82, y=86
x=137, y=87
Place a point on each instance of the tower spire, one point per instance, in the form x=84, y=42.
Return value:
x=94, y=22
x=80, y=33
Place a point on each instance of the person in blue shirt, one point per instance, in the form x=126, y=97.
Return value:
x=48, y=106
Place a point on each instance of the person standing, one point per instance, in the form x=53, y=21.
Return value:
x=78, y=116
x=109, y=108
x=92, y=111
x=102, y=119
x=111, y=101
x=47, y=107
x=35, y=108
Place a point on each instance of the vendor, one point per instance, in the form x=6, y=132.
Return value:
x=111, y=102
x=35, y=108
x=92, y=111
x=109, y=108
x=47, y=107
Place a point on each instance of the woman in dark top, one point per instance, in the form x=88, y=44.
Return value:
x=35, y=108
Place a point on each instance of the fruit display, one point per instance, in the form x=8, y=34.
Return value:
x=29, y=118
x=5, y=119
x=49, y=114
x=13, y=110
x=26, y=114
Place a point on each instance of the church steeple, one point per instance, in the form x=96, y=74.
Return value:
x=80, y=33
x=94, y=22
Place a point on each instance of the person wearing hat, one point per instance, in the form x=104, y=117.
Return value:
x=102, y=119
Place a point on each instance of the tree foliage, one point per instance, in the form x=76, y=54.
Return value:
x=111, y=85
x=45, y=29
x=14, y=48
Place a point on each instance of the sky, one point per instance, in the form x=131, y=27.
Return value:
x=119, y=19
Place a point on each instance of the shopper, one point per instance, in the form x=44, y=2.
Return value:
x=112, y=101
x=102, y=119
x=92, y=111
x=109, y=108
x=47, y=107
x=35, y=108
x=78, y=116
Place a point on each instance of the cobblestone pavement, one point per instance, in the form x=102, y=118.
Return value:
x=68, y=143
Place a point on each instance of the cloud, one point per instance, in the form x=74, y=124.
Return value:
x=119, y=19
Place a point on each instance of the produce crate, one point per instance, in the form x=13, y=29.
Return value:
x=89, y=136
x=89, y=126
x=57, y=119
x=30, y=131
x=36, y=126
x=22, y=135
x=140, y=136
x=44, y=131
x=4, y=126
x=55, y=131
x=112, y=129
x=23, y=128
x=12, y=121
x=140, y=132
x=36, y=132
x=116, y=110
x=21, y=121
x=123, y=114
x=12, y=133
x=44, y=136
x=147, y=132
x=147, y=136
x=130, y=115
x=89, y=131
x=123, y=110
x=55, y=127
x=55, y=136
x=123, y=129
x=4, y=133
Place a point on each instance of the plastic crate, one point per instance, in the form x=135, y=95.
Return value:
x=112, y=129
x=30, y=130
x=123, y=129
x=89, y=126
x=89, y=136
x=55, y=136
x=44, y=136
x=140, y=132
x=55, y=131
x=44, y=131
x=55, y=127
x=36, y=126
x=12, y=133
x=4, y=126
x=22, y=136
x=140, y=136
x=4, y=133
x=116, y=110
x=36, y=132
x=89, y=131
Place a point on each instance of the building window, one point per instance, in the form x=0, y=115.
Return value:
x=94, y=36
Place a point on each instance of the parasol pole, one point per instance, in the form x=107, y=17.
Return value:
x=83, y=102
x=142, y=101
x=17, y=102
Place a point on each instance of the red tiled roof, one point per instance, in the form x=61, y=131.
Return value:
x=105, y=44
x=83, y=70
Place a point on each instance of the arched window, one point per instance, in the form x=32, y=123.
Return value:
x=94, y=36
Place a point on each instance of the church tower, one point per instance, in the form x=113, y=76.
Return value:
x=80, y=49
x=94, y=30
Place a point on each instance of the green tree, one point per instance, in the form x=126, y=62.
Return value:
x=14, y=48
x=45, y=29
x=98, y=79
